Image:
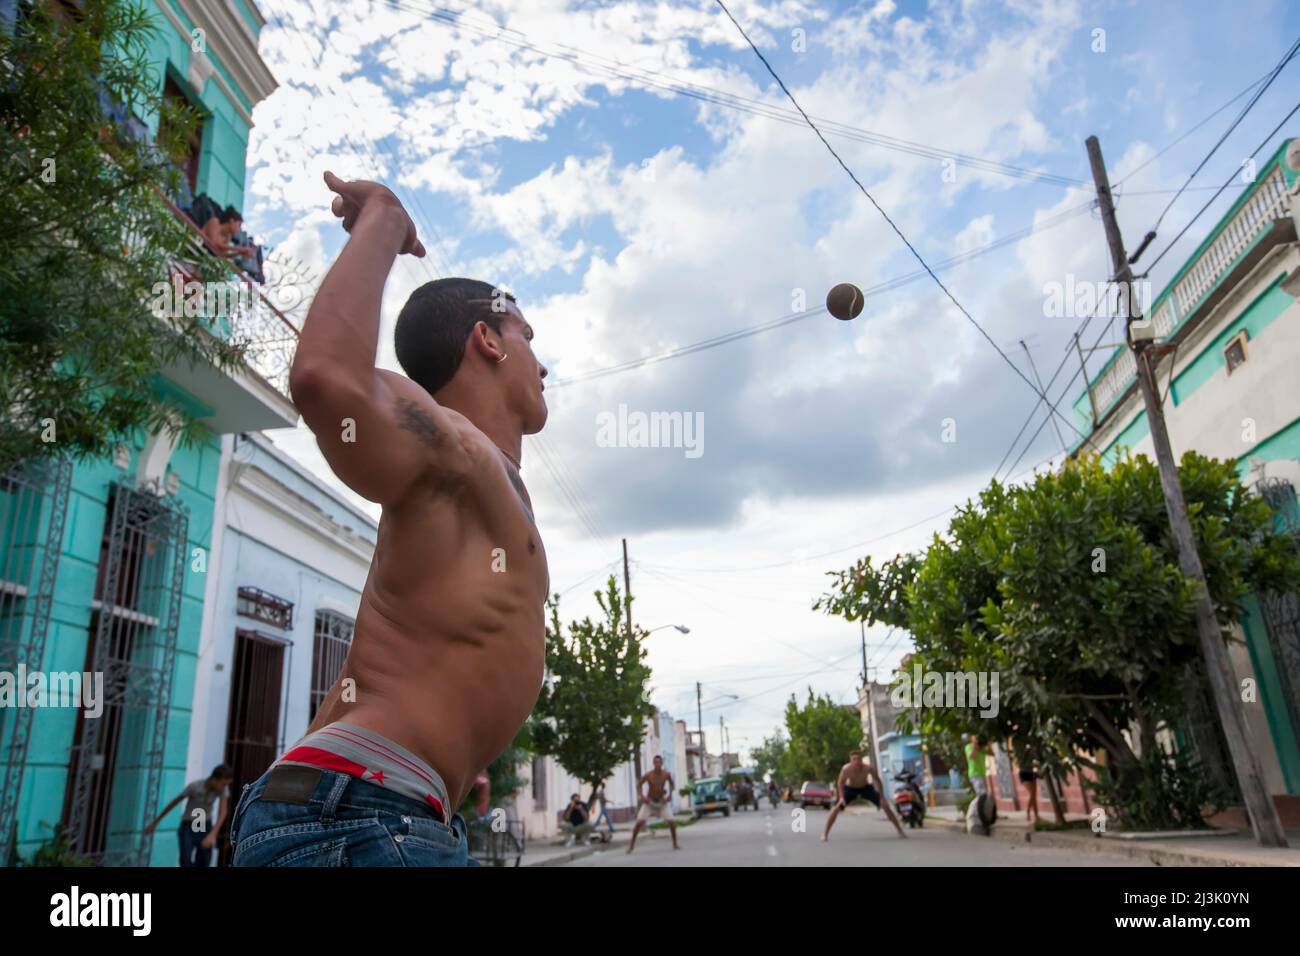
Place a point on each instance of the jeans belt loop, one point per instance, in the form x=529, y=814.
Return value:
x=332, y=799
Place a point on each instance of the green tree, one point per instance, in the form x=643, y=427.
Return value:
x=85, y=237
x=821, y=734
x=766, y=757
x=593, y=706
x=1069, y=589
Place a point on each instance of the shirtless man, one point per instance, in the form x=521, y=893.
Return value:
x=653, y=791
x=855, y=781
x=447, y=657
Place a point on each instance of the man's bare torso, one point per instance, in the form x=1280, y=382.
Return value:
x=448, y=652
x=656, y=783
x=856, y=778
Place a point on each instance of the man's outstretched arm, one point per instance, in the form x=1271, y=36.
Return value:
x=378, y=430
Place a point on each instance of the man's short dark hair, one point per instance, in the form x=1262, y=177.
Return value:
x=222, y=771
x=855, y=753
x=229, y=213
x=435, y=324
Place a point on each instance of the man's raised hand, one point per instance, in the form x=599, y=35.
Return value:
x=354, y=196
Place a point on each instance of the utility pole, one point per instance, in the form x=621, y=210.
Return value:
x=627, y=605
x=1034, y=369
x=871, y=704
x=1259, y=805
x=699, y=722
x=722, y=744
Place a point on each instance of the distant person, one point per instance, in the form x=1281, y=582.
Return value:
x=977, y=765
x=576, y=822
x=854, y=781
x=198, y=831
x=604, y=815
x=654, y=791
x=1029, y=777
x=219, y=227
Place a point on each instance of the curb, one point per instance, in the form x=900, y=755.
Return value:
x=1161, y=856
x=559, y=859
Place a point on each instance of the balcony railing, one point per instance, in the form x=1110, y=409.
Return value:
x=267, y=335
x=1266, y=203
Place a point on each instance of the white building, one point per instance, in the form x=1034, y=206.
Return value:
x=289, y=560
x=539, y=803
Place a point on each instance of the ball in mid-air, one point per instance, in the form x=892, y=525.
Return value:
x=845, y=301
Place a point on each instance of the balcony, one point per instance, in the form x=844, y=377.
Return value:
x=255, y=396
x=1258, y=222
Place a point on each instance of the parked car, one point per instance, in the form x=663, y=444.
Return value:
x=710, y=796
x=813, y=794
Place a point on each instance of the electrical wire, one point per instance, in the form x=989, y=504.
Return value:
x=586, y=59
x=887, y=286
x=1220, y=190
x=1286, y=58
x=917, y=255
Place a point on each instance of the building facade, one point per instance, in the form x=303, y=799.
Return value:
x=106, y=565
x=543, y=798
x=289, y=562
x=1231, y=392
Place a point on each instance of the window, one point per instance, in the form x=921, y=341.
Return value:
x=264, y=607
x=1234, y=353
x=330, y=650
x=174, y=95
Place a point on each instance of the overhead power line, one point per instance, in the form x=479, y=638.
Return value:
x=888, y=285
x=1273, y=74
x=658, y=80
x=897, y=231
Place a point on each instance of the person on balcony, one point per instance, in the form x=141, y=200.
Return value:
x=219, y=227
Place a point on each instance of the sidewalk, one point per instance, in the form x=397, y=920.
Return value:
x=1237, y=849
x=551, y=851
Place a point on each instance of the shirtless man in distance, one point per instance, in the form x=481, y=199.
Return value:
x=447, y=658
x=855, y=781
x=653, y=791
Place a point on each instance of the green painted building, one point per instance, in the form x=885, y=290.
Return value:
x=1233, y=392
x=103, y=565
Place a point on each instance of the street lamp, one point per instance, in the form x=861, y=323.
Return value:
x=681, y=627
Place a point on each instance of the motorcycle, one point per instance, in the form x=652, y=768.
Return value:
x=909, y=801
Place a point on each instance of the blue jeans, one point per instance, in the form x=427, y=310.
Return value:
x=192, y=854
x=346, y=822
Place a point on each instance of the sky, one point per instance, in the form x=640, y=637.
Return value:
x=632, y=173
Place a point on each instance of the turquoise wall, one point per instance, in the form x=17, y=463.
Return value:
x=221, y=175
x=224, y=145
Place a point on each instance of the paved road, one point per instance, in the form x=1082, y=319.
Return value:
x=769, y=838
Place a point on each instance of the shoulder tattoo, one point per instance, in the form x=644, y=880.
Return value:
x=417, y=421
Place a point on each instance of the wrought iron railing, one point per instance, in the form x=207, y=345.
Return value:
x=33, y=505
x=117, y=759
x=496, y=842
x=1266, y=203
x=266, y=335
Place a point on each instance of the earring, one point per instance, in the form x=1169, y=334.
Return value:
x=503, y=358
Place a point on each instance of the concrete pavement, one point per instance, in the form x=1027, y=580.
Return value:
x=774, y=838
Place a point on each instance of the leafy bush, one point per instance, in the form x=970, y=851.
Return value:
x=1159, y=791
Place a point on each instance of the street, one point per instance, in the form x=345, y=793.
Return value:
x=767, y=838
